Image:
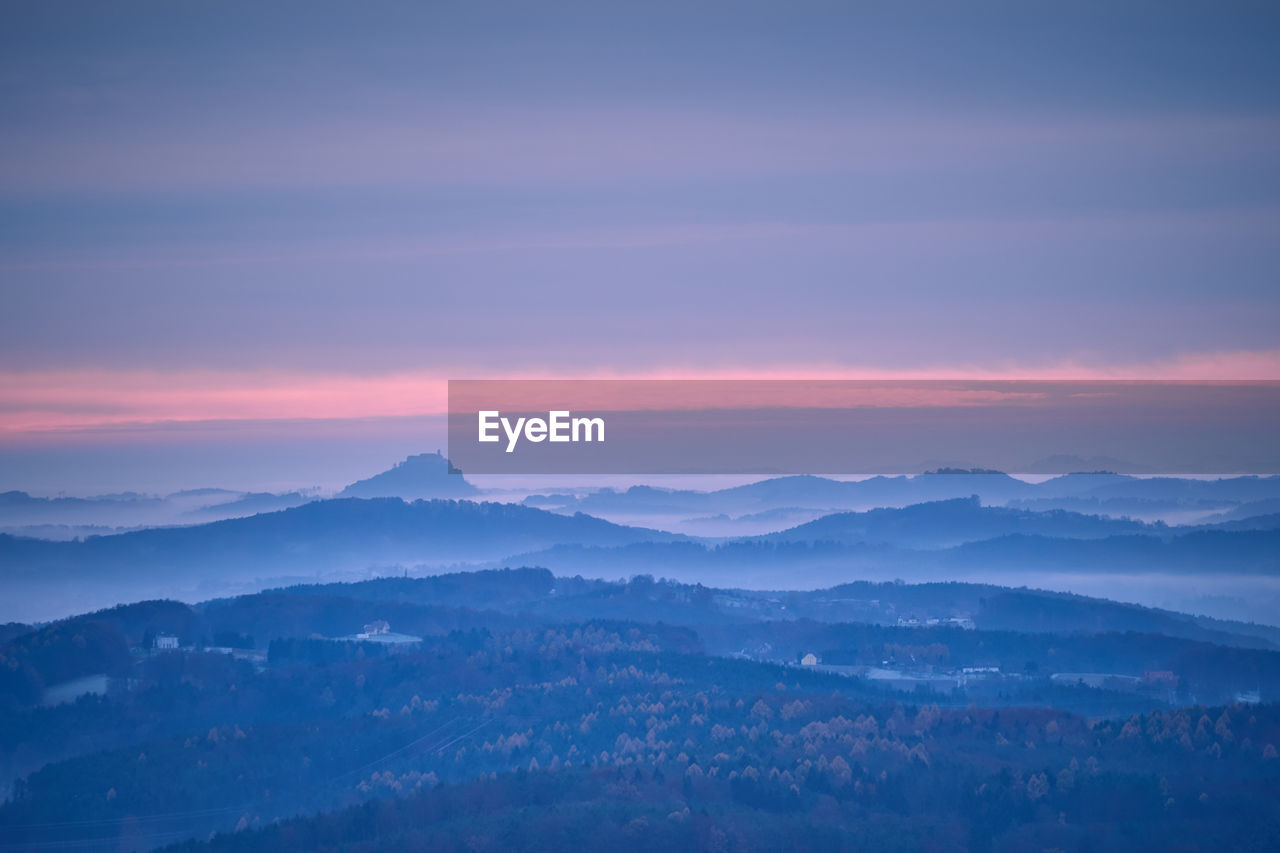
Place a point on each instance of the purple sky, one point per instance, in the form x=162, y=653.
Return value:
x=237, y=214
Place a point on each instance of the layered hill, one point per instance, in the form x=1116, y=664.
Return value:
x=319, y=538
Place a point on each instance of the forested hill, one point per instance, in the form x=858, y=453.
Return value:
x=345, y=534
x=515, y=709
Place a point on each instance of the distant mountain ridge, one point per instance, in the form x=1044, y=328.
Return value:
x=1253, y=552
x=1096, y=491
x=338, y=535
x=737, y=511
x=951, y=538
x=957, y=520
x=425, y=476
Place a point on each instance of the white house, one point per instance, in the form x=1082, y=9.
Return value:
x=165, y=641
x=374, y=628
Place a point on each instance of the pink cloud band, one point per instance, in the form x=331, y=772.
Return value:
x=41, y=402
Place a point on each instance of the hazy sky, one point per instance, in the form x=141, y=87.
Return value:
x=235, y=212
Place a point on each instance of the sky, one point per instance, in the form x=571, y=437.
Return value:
x=233, y=231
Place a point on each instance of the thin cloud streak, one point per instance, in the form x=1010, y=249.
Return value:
x=1262, y=222
x=514, y=146
x=40, y=403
